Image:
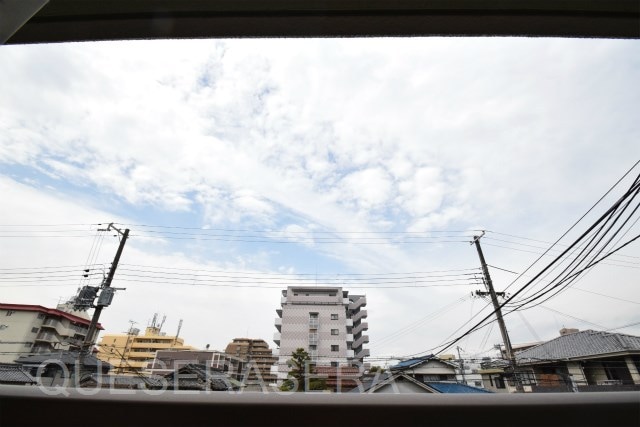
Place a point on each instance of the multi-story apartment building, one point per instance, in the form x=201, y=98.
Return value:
x=132, y=353
x=34, y=329
x=257, y=354
x=326, y=321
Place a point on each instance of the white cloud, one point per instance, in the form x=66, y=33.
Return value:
x=516, y=135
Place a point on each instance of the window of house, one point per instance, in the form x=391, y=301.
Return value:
x=478, y=383
x=335, y=348
x=34, y=330
x=334, y=364
x=334, y=317
x=40, y=315
x=313, y=315
x=313, y=347
x=335, y=332
x=499, y=382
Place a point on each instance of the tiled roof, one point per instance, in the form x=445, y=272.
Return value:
x=216, y=380
x=412, y=363
x=125, y=380
x=442, y=387
x=580, y=344
x=13, y=374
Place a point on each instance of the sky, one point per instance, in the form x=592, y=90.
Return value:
x=244, y=166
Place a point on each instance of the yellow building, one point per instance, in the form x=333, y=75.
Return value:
x=132, y=352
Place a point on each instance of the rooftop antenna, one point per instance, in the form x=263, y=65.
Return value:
x=162, y=323
x=175, y=340
x=155, y=318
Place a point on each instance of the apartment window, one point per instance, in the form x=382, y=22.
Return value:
x=334, y=317
x=313, y=315
x=313, y=347
x=478, y=383
x=334, y=364
x=34, y=330
x=335, y=348
x=335, y=332
x=40, y=315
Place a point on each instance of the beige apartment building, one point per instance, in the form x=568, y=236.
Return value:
x=259, y=357
x=33, y=329
x=132, y=352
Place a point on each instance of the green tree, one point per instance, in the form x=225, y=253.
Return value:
x=374, y=369
x=296, y=380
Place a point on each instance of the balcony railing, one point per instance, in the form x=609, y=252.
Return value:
x=362, y=340
x=278, y=323
x=276, y=338
x=314, y=323
x=360, y=302
x=50, y=323
x=363, y=326
x=47, y=336
x=359, y=315
x=313, y=339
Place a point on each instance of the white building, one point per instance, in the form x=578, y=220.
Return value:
x=326, y=321
x=33, y=329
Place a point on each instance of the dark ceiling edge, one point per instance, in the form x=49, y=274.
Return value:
x=93, y=20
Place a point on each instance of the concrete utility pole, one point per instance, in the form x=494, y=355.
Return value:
x=496, y=306
x=461, y=366
x=105, y=297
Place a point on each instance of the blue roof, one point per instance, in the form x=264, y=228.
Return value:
x=411, y=362
x=455, y=388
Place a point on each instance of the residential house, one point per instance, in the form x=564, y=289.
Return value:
x=400, y=382
x=167, y=361
x=428, y=368
x=58, y=368
x=582, y=361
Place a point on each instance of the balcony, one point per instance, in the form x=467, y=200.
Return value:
x=50, y=323
x=276, y=338
x=359, y=315
x=314, y=323
x=278, y=323
x=362, y=340
x=313, y=354
x=47, y=337
x=350, y=354
x=313, y=339
x=363, y=353
x=360, y=302
x=349, y=322
x=349, y=338
x=363, y=326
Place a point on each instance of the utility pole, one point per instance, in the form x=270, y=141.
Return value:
x=107, y=292
x=496, y=307
x=461, y=365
